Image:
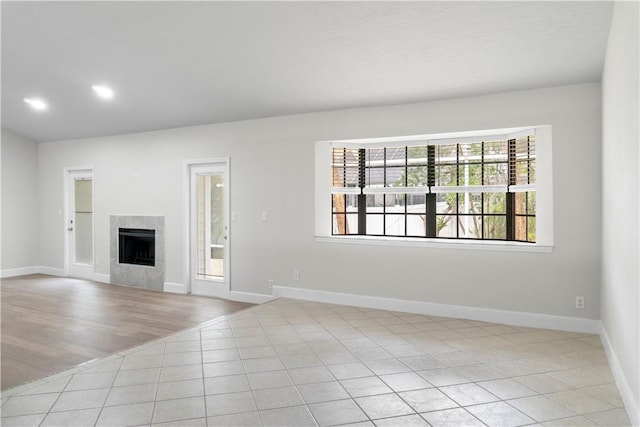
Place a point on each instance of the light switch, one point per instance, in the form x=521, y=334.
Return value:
x=265, y=216
x=234, y=216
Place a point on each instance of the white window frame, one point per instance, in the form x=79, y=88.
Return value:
x=543, y=187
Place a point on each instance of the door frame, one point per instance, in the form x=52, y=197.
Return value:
x=85, y=271
x=224, y=162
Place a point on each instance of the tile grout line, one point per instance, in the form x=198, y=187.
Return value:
x=108, y=393
x=204, y=389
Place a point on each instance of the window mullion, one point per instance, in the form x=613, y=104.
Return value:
x=510, y=196
x=430, y=220
x=362, y=198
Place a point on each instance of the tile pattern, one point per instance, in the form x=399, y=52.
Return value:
x=300, y=363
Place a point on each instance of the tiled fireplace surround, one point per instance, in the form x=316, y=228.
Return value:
x=138, y=276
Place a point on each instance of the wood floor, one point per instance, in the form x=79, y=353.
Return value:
x=50, y=324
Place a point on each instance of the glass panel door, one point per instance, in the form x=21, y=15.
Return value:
x=79, y=260
x=209, y=229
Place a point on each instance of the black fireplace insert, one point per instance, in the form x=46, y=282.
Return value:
x=137, y=246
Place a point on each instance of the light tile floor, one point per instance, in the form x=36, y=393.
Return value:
x=296, y=363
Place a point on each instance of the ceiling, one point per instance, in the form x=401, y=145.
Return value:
x=174, y=64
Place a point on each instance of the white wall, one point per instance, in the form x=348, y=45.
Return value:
x=620, y=202
x=20, y=240
x=272, y=163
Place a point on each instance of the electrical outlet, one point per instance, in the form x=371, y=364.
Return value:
x=296, y=275
x=270, y=282
x=579, y=302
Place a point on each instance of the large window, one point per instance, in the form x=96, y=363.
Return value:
x=464, y=188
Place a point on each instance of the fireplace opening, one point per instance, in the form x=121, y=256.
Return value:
x=137, y=246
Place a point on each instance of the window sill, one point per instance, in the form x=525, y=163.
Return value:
x=484, y=245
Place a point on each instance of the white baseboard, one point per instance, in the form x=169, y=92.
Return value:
x=52, y=271
x=22, y=271
x=516, y=318
x=176, y=288
x=249, y=297
x=630, y=404
x=102, y=278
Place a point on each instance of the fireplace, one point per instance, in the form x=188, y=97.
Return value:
x=137, y=246
x=137, y=254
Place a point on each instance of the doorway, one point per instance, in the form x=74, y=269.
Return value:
x=79, y=223
x=209, y=229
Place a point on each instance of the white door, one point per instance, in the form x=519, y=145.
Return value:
x=80, y=223
x=209, y=229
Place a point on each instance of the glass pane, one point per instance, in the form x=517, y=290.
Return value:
x=210, y=225
x=495, y=174
x=532, y=171
x=374, y=176
x=446, y=154
x=521, y=228
x=446, y=203
x=374, y=225
x=83, y=220
x=521, y=203
x=526, y=147
x=394, y=203
x=396, y=156
x=469, y=202
x=531, y=229
x=344, y=203
x=394, y=225
x=395, y=177
x=470, y=174
x=345, y=177
x=494, y=203
x=345, y=167
x=416, y=176
x=470, y=226
x=524, y=174
x=344, y=224
x=352, y=223
x=445, y=226
x=374, y=155
x=495, y=150
x=339, y=224
x=495, y=227
x=469, y=153
x=417, y=155
x=416, y=203
x=374, y=167
x=375, y=202
x=446, y=175
x=531, y=203
x=416, y=225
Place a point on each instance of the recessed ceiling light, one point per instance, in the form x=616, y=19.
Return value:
x=36, y=103
x=102, y=91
